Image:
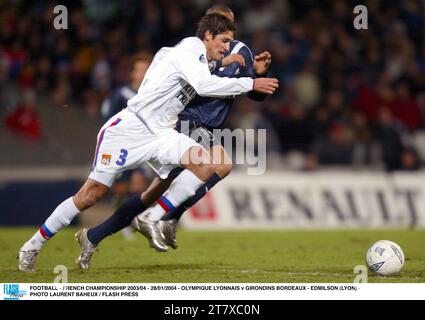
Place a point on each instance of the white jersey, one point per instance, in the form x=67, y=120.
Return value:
x=174, y=78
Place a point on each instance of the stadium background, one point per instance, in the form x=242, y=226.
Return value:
x=345, y=131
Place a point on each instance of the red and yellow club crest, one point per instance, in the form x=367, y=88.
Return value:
x=106, y=159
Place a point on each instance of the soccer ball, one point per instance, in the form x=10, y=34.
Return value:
x=385, y=257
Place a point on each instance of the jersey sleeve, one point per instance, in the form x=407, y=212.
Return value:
x=192, y=64
x=248, y=70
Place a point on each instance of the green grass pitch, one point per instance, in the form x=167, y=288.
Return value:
x=217, y=257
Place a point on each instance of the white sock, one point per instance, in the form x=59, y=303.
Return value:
x=182, y=188
x=145, y=215
x=60, y=218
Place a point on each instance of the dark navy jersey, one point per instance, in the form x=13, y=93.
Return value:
x=213, y=112
x=117, y=101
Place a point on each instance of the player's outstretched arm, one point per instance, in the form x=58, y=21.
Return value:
x=190, y=60
x=265, y=85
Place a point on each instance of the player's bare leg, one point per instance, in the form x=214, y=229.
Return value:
x=196, y=159
x=91, y=192
x=222, y=160
x=61, y=217
x=223, y=166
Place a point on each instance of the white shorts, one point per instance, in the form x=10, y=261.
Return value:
x=124, y=142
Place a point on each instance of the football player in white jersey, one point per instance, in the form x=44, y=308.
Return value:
x=203, y=115
x=144, y=132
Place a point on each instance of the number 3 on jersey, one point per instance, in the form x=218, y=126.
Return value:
x=123, y=157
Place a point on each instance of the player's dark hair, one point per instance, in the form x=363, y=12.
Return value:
x=215, y=23
x=219, y=8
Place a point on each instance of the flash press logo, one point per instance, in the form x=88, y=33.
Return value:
x=12, y=292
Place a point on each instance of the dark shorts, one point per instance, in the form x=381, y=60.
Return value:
x=199, y=133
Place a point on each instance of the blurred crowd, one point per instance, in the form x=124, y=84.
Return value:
x=347, y=97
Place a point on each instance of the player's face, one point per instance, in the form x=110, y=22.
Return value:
x=218, y=45
x=139, y=71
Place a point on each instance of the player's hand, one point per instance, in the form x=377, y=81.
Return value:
x=262, y=62
x=266, y=85
x=234, y=57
